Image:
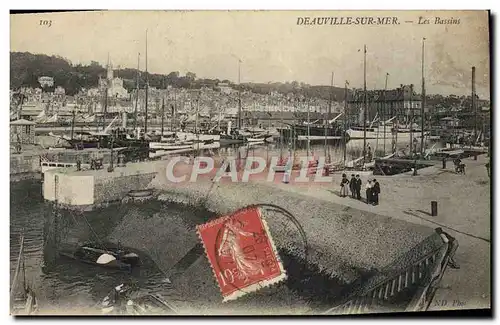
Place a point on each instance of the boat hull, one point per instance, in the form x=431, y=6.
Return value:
x=231, y=139
x=379, y=134
x=319, y=137
x=169, y=146
x=117, y=265
x=312, y=131
x=188, y=136
x=258, y=140
x=112, y=257
x=201, y=145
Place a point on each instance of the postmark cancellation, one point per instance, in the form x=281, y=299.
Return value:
x=242, y=253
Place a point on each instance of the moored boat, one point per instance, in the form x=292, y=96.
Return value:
x=190, y=136
x=171, y=145
x=232, y=139
x=378, y=133
x=107, y=255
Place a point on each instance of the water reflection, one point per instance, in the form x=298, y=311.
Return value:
x=65, y=285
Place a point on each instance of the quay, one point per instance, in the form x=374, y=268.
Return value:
x=347, y=239
x=86, y=189
x=27, y=163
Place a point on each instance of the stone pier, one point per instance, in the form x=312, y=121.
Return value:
x=88, y=188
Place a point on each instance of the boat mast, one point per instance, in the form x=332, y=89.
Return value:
x=344, y=132
x=385, y=108
x=137, y=92
x=174, y=108
x=422, y=108
x=308, y=128
x=366, y=106
x=220, y=118
x=327, y=124
x=238, y=124
x=474, y=106
x=105, y=111
x=268, y=118
x=147, y=89
x=411, y=120
x=72, y=124
x=162, y=114
x=280, y=104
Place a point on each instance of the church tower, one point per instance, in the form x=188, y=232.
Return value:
x=110, y=70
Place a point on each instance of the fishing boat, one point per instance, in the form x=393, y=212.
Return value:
x=190, y=136
x=232, y=139
x=205, y=145
x=84, y=140
x=23, y=300
x=169, y=145
x=254, y=140
x=120, y=301
x=106, y=255
x=357, y=132
x=87, y=139
x=316, y=132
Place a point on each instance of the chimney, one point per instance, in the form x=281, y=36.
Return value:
x=474, y=108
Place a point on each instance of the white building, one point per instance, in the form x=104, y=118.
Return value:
x=46, y=81
x=59, y=91
x=225, y=88
x=115, y=85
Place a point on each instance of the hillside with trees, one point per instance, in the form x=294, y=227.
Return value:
x=26, y=68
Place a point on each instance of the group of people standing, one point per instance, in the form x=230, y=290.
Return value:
x=354, y=187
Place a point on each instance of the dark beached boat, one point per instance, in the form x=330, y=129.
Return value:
x=107, y=255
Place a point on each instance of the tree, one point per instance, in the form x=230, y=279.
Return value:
x=191, y=76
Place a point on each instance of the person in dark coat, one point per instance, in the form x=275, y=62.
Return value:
x=375, y=192
x=357, y=182
x=369, y=190
x=352, y=186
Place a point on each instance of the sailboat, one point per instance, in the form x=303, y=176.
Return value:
x=282, y=164
x=230, y=137
x=196, y=136
x=88, y=139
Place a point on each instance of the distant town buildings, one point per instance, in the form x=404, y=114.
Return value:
x=447, y=122
x=59, y=91
x=402, y=101
x=22, y=131
x=225, y=88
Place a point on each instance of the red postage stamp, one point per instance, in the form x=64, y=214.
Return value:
x=241, y=252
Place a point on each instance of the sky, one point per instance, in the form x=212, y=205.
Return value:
x=271, y=46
